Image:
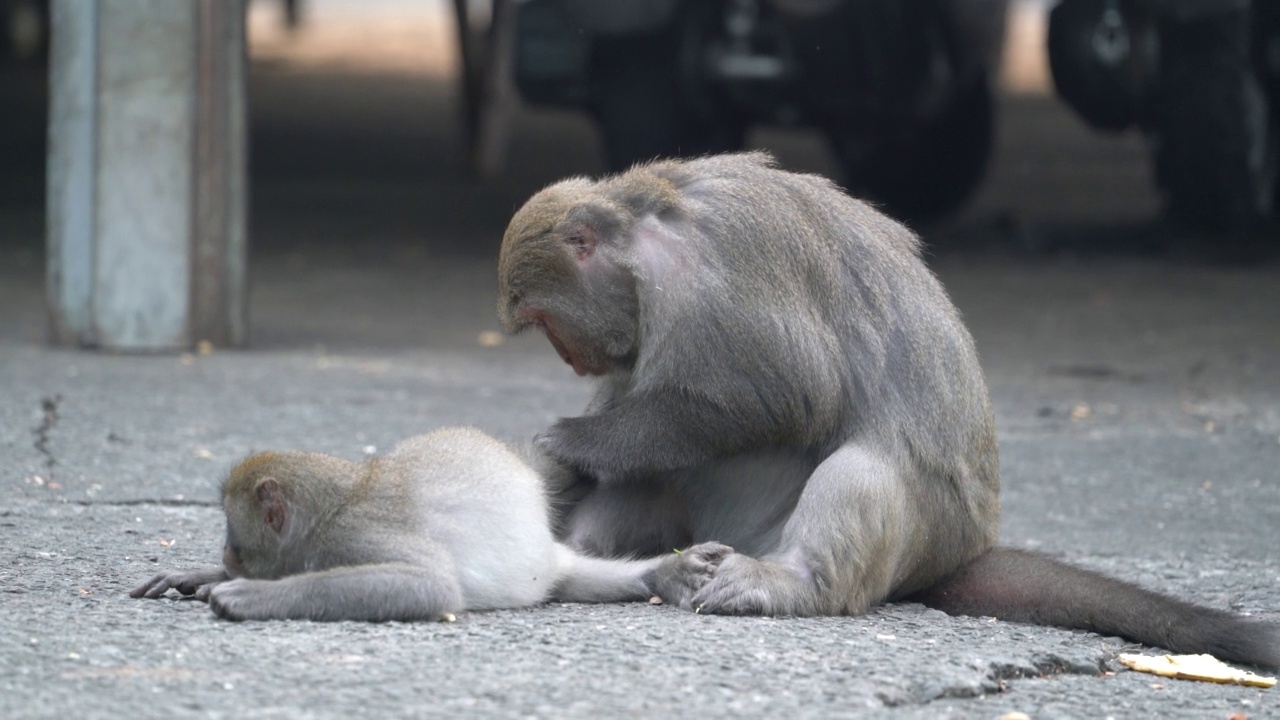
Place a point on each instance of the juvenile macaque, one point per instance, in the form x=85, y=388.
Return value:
x=446, y=522
x=785, y=386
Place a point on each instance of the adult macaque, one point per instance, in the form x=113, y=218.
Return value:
x=446, y=522
x=780, y=372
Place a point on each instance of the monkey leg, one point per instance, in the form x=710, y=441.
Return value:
x=682, y=574
x=374, y=593
x=843, y=549
x=597, y=580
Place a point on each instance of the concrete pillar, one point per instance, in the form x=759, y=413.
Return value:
x=147, y=178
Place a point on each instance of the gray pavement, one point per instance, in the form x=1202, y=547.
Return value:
x=1138, y=398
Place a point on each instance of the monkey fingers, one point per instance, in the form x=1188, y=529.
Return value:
x=684, y=573
x=194, y=582
x=571, y=442
x=552, y=445
x=153, y=588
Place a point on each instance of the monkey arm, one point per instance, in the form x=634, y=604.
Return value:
x=192, y=582
x=656, y=431
x=374, y=593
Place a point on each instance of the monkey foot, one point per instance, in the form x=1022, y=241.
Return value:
x=743, y=585
x=683, y=574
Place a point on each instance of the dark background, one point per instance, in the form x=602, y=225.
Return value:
x=356, y=134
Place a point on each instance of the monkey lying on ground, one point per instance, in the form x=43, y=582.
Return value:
x=446, y=522
x=785, y=385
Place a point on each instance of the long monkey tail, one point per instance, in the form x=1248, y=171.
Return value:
x=1031, y=588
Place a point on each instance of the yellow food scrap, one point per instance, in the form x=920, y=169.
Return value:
x=1194, y=667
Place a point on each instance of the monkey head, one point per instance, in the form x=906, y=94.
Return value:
x=564, y=269
x=264, y=498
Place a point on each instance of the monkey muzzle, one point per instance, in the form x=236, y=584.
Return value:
x=570, y=359
x=542, y=322
x=561, y=350
x=231, y=561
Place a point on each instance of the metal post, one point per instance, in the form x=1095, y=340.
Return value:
x=147, y=175
x=72, y=158
x=219, y=293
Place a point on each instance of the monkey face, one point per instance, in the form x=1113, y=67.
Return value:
x=582, y=358
x=588, y=314
x=247, y=549
x=231, y=560
x=258, y=514
x=563, y=270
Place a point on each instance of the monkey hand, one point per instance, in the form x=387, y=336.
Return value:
x=598, y=447
x=240, y=599
x=564, y=444
x=658, y=431
x=683, y=575
x=193, y=582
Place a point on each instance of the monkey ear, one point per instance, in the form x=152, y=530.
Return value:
x=272, y=502
x=582, y=240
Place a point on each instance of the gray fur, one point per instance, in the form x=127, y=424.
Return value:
x=446, y=522
x=780, y=373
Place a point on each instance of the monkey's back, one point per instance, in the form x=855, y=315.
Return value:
x=815, y=311
x=487, y=509
x=866, y=332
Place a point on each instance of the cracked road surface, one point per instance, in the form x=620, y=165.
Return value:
x=48, y=419
x=1169, y=480
x=1138, y=398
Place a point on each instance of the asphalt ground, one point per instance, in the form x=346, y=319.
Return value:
x=1136, y=380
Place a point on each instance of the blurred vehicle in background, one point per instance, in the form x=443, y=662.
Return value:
x=1200, y=78
x=902, y=88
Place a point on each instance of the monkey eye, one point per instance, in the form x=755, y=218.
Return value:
x=582, y=241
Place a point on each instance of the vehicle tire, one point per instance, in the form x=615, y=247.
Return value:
x=925, y=168
x=1265, y=28
x=637, y=100
x=1213, y=144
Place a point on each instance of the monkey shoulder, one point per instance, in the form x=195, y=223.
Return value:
x=721, y=164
